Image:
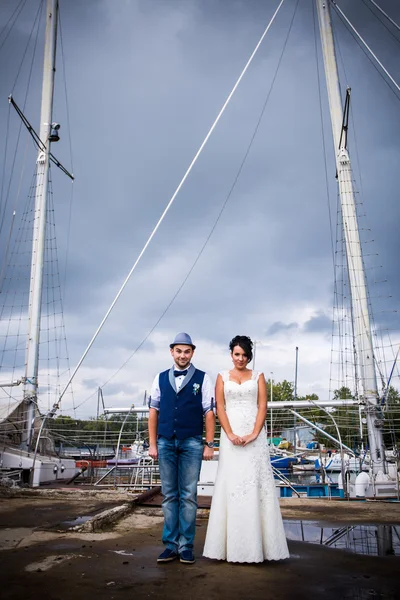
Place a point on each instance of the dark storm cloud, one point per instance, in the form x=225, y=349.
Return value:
x=319, y=323
x=279, y=326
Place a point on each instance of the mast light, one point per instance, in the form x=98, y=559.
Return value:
x=54, y=137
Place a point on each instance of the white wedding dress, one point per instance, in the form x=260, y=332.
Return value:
x=245, y=523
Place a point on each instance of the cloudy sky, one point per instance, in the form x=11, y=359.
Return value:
x=145, y=80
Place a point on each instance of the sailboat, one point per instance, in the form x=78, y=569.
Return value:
x=24, y=448
x=380, y=477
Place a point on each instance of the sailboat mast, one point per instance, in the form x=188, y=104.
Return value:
x=357, y=279
x=39, y=223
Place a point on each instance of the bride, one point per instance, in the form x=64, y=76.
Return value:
x=245, y=523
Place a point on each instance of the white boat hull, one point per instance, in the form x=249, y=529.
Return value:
x=46, y=469
x=379, y=486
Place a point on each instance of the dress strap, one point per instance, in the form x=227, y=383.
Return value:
x=255, y=375
x=225, y=376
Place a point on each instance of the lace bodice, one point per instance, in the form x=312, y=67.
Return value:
x=241, y=403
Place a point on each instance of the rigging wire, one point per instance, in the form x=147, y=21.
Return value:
x=17, y=196
x=381, y=21
x=71, y=199
x=37, y=19
x=189, y=169
x=358, y=38
x=13, y=313
x=4, y=165
x=54, y=312
x=22, y=2
x=65, y=89
x=233, y=186
x=3, y=214
x=385, y=14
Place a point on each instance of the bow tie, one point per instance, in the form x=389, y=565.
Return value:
x=180, y=373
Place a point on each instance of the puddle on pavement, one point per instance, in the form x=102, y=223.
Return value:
x=74, y=522
x=374, y=540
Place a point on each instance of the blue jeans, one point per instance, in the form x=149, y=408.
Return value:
x=180, y=463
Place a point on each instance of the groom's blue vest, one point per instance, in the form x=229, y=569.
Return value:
x=181, y=413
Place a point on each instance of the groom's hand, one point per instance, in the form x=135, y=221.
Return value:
x=153, y=451
x=208, y=453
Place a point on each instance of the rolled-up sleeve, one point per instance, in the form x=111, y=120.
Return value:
x=207, y=392
x=154, y=398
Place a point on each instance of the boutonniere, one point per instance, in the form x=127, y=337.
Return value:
x=196, y=387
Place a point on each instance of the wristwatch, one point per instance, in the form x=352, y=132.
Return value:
x=209, y=444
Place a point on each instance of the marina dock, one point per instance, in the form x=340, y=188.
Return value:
x=42, y=556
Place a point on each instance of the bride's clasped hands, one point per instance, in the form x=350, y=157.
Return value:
x=242, y=440
x=235, y=439
x=247, y=439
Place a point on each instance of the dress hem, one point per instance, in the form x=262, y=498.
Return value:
x=248, y=561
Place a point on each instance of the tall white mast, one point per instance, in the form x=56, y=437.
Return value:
x=39, y=224
x=358, y=287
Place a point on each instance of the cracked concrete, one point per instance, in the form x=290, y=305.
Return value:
x=39, y=561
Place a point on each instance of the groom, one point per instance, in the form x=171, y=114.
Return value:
x=181, y=399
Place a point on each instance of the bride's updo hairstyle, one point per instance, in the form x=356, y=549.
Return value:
x=245, y=343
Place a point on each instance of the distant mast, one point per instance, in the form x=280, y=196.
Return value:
x=39, y=224
x=358, y=287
